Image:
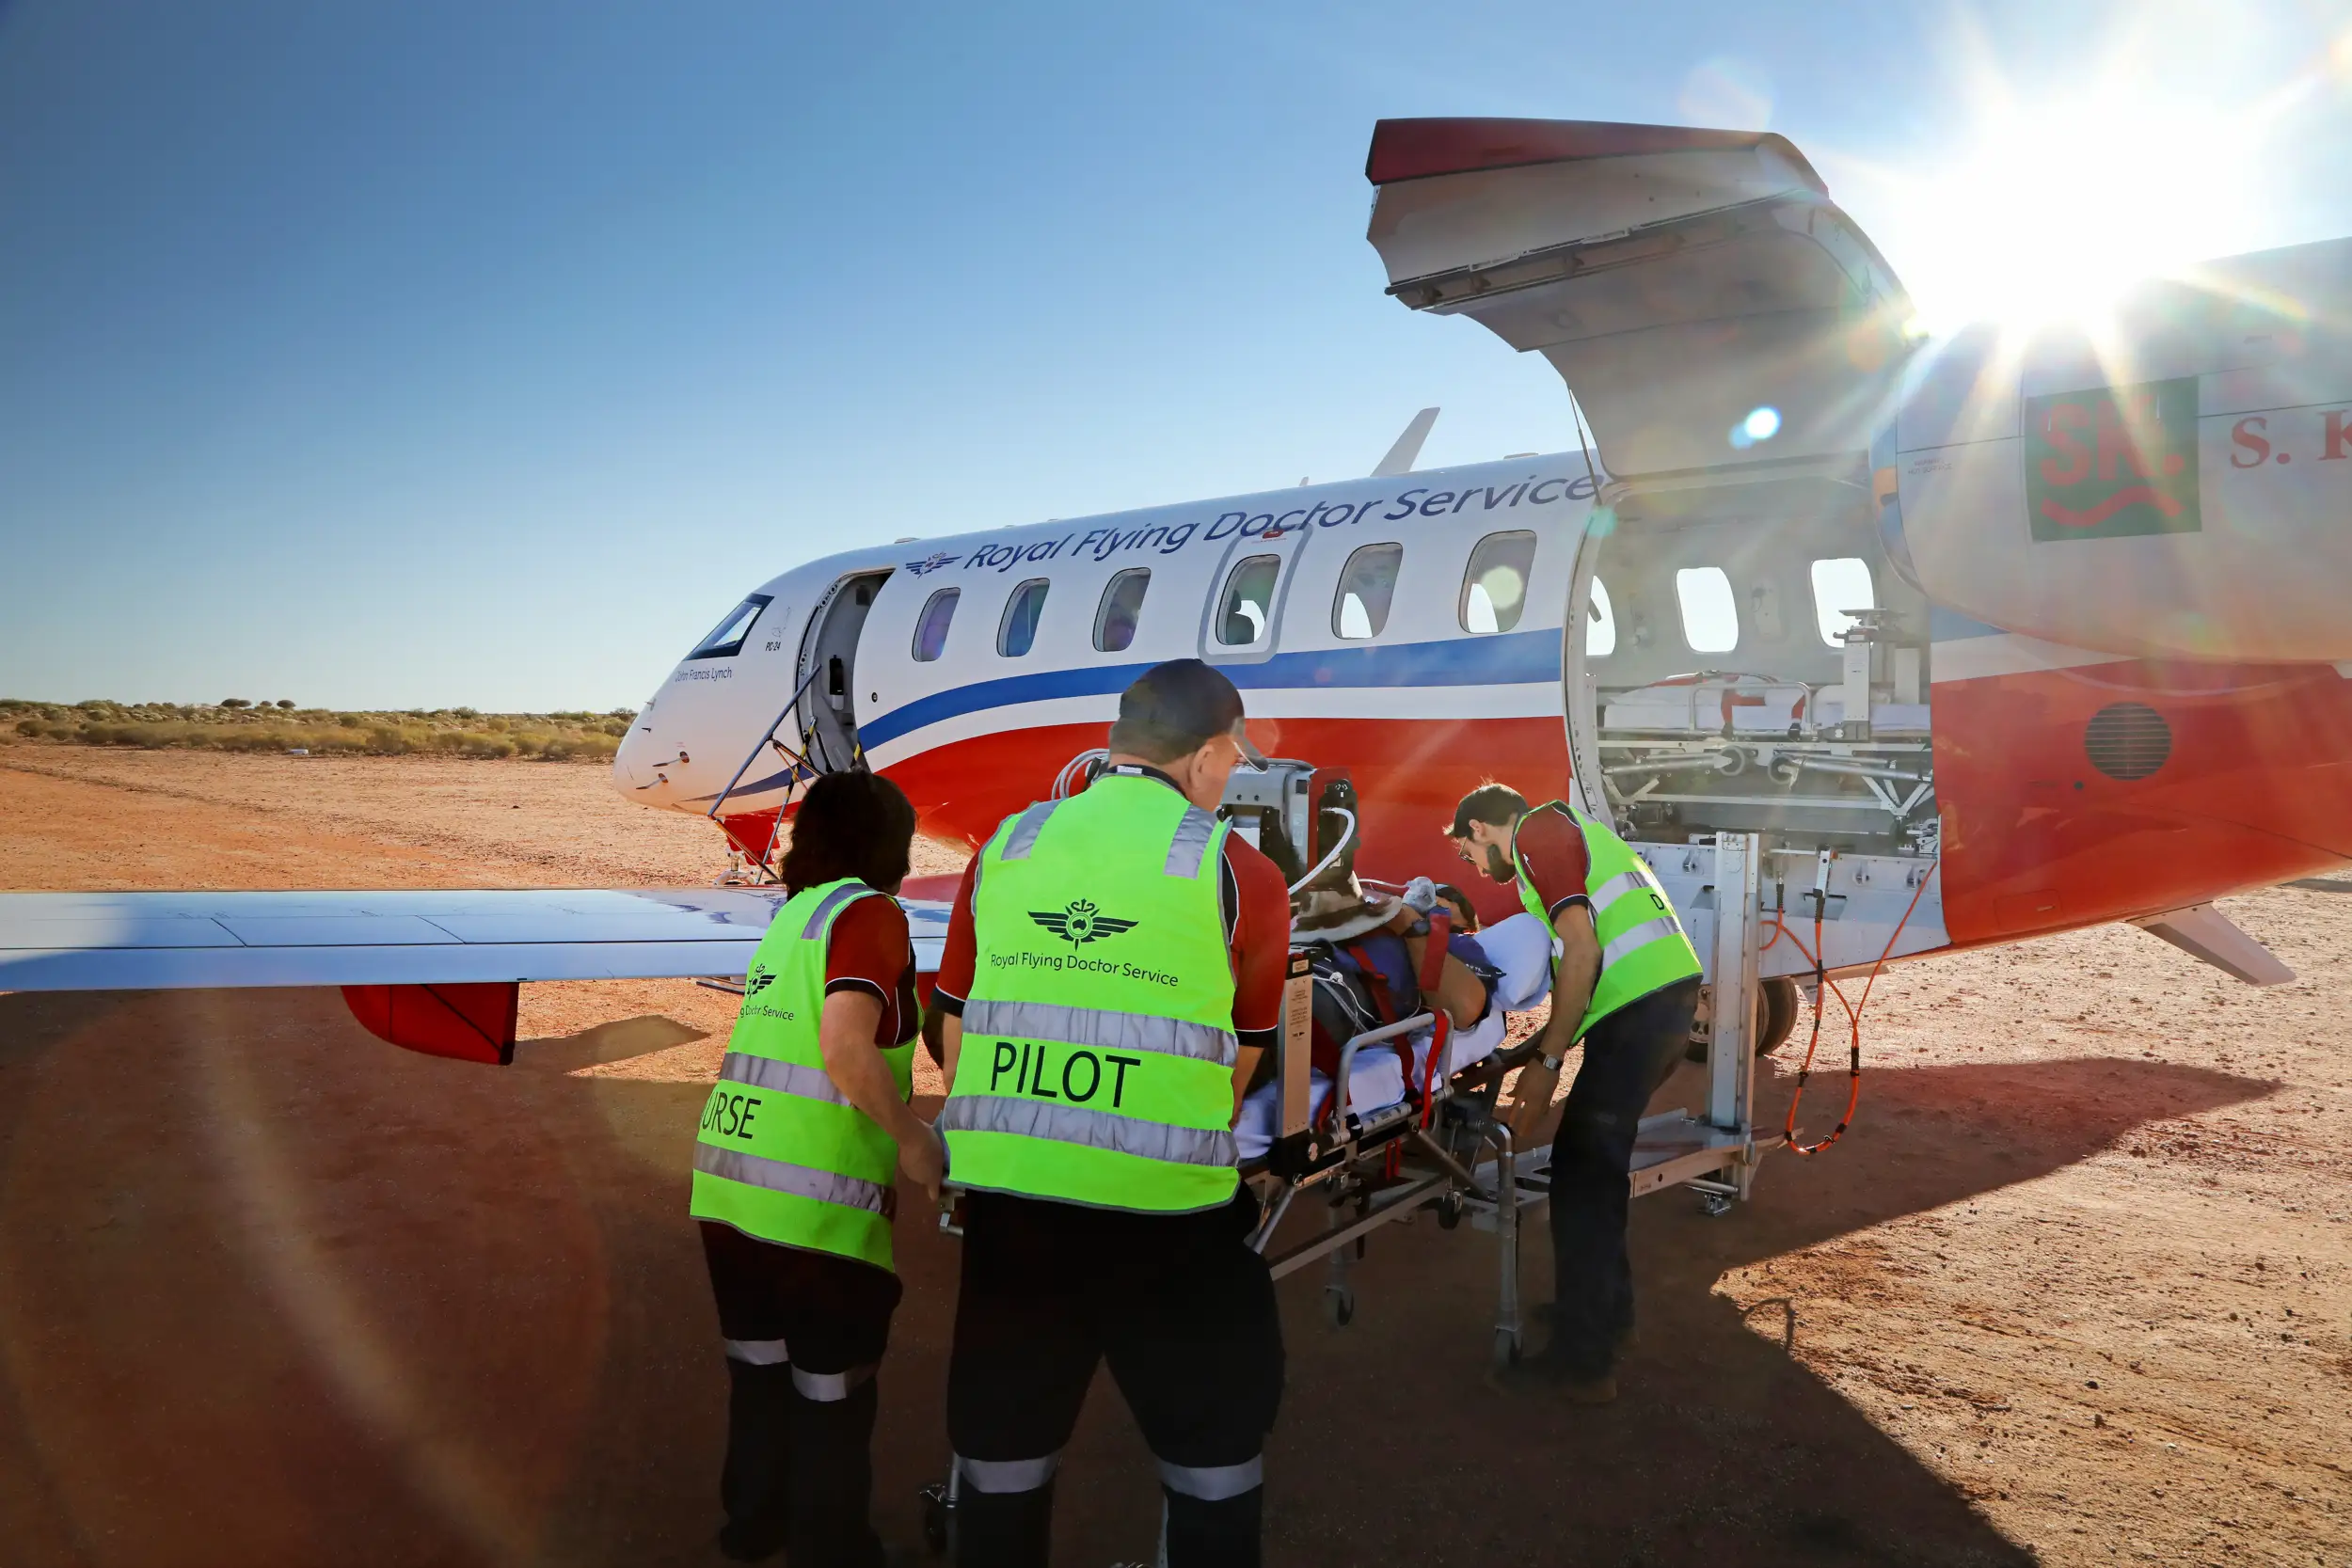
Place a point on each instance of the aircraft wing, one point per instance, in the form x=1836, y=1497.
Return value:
x=1678, y=280
x=426, y=970
x=162, y=941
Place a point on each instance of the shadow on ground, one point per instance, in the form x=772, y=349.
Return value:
x=274, y=1293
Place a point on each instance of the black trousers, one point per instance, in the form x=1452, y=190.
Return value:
x=1184, y=1313
x=804, y=1331
x=1626, y=1056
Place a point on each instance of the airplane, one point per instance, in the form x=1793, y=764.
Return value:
x=1989, y=638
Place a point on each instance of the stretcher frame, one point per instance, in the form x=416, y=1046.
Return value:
x=1454, y=1154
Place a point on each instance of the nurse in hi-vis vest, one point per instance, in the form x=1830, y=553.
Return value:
x=1624, y=983
x=794, y=1165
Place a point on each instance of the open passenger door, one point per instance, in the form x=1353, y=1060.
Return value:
x=1680, y=281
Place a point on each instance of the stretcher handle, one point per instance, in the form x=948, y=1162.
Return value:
x=1347, y=1058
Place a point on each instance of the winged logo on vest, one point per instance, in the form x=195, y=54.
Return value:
x=758, y=981
x=1080, y=923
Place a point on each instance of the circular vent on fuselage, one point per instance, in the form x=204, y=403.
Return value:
x=2127, y=740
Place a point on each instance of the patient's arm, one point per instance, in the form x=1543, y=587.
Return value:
x=1461, y=993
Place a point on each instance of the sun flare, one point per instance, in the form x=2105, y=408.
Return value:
x=2053, y=199
x=2057, y=207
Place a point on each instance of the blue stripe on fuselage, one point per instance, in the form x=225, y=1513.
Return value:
x=1511, y=659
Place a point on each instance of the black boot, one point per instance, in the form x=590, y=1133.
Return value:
x=833, y=1481
x=754, y=1484
x=1004, y=1530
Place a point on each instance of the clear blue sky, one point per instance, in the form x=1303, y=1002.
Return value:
x=376, y=354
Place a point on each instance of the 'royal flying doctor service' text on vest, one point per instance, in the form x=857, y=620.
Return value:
x=1098, y=1041
x=1643, y=946
x=783, y=1155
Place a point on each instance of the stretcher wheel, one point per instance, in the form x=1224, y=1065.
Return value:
x=1505, y=1354
x=1339, y=1305
x=1449, y=1211
x=935, y=1520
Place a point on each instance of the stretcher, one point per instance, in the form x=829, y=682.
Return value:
x=1446, y=1150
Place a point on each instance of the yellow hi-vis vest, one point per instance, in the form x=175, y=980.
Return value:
x=1643, y=946
x=783, y=1155
x=1098, y=1041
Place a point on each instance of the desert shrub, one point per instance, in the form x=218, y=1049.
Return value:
x=234, y=702
x=580, y=748
x=569, y=737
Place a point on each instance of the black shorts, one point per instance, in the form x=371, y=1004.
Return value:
x=1178, y=1305
x=832, y=1312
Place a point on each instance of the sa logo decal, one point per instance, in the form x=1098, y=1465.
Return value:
x=2111, y=461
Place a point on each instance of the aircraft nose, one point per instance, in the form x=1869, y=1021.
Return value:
x=636, y=765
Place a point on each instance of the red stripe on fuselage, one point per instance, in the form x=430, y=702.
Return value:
x=2257, y=789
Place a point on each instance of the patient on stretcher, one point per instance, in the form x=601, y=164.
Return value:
x=1368, y=973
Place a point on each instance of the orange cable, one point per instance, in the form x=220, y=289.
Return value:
x=1853, y=1010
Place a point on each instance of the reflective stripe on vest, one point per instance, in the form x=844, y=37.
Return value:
x=782, y=1154
x=1098, y=1049
x=1096, y=1026
x=1642, y=945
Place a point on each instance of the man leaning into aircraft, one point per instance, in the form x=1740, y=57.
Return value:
x=1114, y=967
x=1625, y=982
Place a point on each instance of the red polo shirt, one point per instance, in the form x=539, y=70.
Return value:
x=1552, y=847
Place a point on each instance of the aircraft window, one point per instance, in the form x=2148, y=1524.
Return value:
x=1494, y=589
x=931, y=627
x=1839, y=588
x=726, y=639
x=1367, y=583
x=1711, y=615
x=1248, y=609
x=1122, y=603
x=1018, y=629
x=1600, y=624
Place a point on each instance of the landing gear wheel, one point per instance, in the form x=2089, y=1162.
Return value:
x=1714, y=1205
x=1449, y=1211
x=1777, y=1004
x=1504, y=1353
x=1776, y=1010
x=1339, y=1305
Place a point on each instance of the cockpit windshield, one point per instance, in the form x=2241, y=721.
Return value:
x=726, y=639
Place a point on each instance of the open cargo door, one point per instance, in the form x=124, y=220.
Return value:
x=1681, y=280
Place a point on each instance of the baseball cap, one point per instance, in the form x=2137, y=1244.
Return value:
x=1186, y=699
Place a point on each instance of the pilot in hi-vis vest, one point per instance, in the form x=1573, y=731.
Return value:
x=1114, y=967
x=794, y=1161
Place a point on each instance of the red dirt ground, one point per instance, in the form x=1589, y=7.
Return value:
x=2077, y=1289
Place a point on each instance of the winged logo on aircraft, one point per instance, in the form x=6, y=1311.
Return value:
x=932, y=563
x=1080, y=923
